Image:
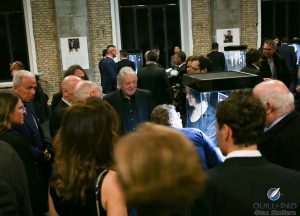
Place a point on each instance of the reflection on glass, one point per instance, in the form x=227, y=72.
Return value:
x=201, y=110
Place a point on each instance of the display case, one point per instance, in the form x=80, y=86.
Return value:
x=235, y=57
x=296, y=45
x=137, y=57
x=205, y=91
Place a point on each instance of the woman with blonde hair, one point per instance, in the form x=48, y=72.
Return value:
x=84, y=149
x=159, y=170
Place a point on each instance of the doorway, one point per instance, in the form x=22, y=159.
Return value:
x=150, y=24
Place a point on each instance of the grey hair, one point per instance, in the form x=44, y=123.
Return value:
x=19, y=75
x=83, y=88
x=283, y=102
x=161, y=114
x=124, y=70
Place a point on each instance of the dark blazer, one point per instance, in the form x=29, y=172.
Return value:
x=240, y=186
x=289, y=55
x=125, y=62
x=56, y=117
x=154, y=79
x=281, y=69
x=218, y=61
x=37, y=188
x=281, y=144
x=144, y=104
x=253, y=70
x=108, y=72
x=14, y=193
x=33, y=133
x=40, y=102
x=55, y=100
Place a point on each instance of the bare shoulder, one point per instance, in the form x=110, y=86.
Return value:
x=112, y=196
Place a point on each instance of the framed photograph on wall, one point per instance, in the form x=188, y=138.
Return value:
x=227, y=37
x=74, y=50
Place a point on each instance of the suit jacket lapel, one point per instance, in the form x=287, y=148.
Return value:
x=29, y=118
x=139, y=101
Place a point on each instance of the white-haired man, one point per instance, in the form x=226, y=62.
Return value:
x=281, y=141
x=133, y=105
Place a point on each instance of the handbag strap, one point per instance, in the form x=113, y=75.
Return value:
x=98, y=190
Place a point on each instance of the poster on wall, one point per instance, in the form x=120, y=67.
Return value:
x=228, y=37
x=74, y=51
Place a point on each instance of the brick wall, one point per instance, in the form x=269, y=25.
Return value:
x=248, y=23
x=45, y=35
x=100, y=30
x=201, y=26
x=47, y=46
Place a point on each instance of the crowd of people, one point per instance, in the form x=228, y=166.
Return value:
x=144, y=144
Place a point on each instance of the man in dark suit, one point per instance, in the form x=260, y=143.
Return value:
x=124, y=61
x=24, y=85
x=246, y=184
x=14, y=193
x=178, y=92
x=40, y=100
x=154, y=78
x=108, y=70
x=254, y=59
x=179, y=59
x=133, y=105
x=67, y=87
x=274, y=64
x=289, y=55
x=217, y=58
x=280, y=143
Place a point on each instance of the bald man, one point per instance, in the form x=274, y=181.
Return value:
x=280, y=143
x=85, y=89
x=67, y=86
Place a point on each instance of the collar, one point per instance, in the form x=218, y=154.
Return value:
x=256, y=66
x=243, y=153
x=181, y=64
x=275, y=122
x=67, y=102
x=125, y=98
x=151, y=62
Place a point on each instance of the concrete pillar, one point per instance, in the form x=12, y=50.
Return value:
x=225, y=14
x=72, y=21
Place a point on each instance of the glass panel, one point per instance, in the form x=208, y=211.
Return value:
x=280, y=18
x=173, y=29
x=235, y=59
x=127, y=28
x=267, y=19
x=201, y=110
x=18, y=38
x=294, y=15
x=159, y=33
x=4, y=51
x=143, y=33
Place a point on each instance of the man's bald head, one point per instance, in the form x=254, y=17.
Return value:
x=276, y=97
x=68, y=85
